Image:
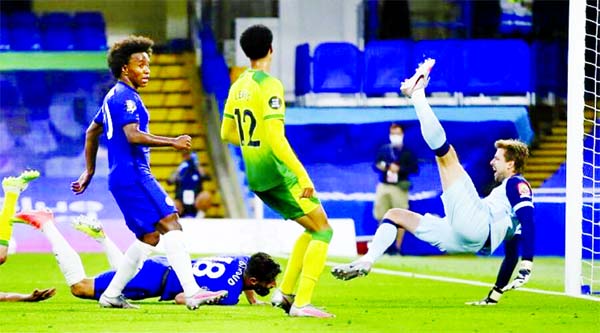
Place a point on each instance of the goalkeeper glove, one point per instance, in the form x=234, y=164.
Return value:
x=522, y=277
x=492, y=298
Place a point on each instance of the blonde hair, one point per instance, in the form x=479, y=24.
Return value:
x=514, y=150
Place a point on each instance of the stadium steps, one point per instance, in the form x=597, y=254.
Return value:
x=549, y=154
x=173, y=111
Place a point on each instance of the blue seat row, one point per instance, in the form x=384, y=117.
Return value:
x=493, y=67
x=55, y=31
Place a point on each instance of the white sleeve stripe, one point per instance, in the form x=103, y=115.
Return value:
x=523, y=204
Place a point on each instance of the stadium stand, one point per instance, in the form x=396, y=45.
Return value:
x=485, y=72
x=53, y=31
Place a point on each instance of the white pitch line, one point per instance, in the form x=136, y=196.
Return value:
x=469, y=282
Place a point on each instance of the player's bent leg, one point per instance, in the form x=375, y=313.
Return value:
x=449, y=168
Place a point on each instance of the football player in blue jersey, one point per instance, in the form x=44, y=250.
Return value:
x=149, y=212
x=251, y=275
x=472, y=224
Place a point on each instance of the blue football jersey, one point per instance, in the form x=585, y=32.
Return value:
x=213, y=273
x=128, y=163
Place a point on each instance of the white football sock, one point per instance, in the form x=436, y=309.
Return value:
x=68, y=260
x=431, y=129
x=384, y=237
x=113, y=254
x=180, y=260
x=129, y=266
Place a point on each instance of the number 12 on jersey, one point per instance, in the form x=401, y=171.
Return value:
x=243, y=118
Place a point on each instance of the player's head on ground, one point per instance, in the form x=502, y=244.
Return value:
x=129, y=60
x=256, y=42
x=261, y=273
x=510, y=158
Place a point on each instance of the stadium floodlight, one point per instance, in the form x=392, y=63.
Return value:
x=582, y=224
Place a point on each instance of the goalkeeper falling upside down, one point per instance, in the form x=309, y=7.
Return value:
x=471, y=224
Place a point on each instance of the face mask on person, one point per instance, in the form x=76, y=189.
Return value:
x=396, y=139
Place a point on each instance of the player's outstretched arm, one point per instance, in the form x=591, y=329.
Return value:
x=35, y=296
x=92, y=141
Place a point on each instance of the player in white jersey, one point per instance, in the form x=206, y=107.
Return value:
x=471, y=224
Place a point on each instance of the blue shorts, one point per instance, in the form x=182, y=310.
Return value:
x=143, y=204
x=148, y=282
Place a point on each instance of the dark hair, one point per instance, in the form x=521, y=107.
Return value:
x=120, y=52
x=516, y=151
x=262, y=267
x=256, y=41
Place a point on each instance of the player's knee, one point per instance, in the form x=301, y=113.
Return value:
x=79, y=289
x=397, y=216
x=323, y=235
x=3, y=258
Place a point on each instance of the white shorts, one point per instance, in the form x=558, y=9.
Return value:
x=466, y=226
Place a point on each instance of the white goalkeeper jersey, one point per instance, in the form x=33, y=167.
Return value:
x=504, y=201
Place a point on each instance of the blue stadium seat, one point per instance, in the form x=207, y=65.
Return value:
x=88, y=20
x=9, y=95
x=387, y=64
x=89, y=39
x=302, y=84
x=23, y=19
x=57, y=39
x=449, y=73
x=24, y=39
x=55, y=20
x=35, y=92
x=496, y=67
x=4, y=38
x=337, y=68
x=545, y=66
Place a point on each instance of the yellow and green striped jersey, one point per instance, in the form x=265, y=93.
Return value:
x=255, y=99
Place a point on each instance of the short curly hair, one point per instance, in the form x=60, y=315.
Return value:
x=256, y=41
x=120, y=52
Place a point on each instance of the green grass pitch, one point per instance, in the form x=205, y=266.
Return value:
x=377, y=303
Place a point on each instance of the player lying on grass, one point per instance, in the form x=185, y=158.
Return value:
x=12, y=187
x=471, y=224
x=234, y=274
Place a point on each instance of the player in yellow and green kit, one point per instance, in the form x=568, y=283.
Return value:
x=254, y=120
x=12, y=187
